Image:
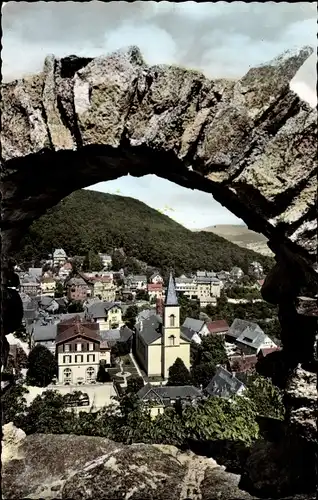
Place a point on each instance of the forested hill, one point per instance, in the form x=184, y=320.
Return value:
x=89, y=220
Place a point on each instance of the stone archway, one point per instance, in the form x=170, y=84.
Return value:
x=251, y=143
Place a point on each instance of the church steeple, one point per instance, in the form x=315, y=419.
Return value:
x=171, y=296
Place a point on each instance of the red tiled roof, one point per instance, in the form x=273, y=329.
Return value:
x=77, y=330
x=243, y=363
x=154, y=287
x=268, y=350
x=218, y=326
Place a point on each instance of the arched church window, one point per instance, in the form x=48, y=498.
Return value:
x=171, y=339
x=172, y=319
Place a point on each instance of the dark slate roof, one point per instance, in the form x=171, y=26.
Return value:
x=194, y=324
x=239, y=325
x=252, y=337
x=113, y=335
x=149, y=392
x=224, y=384
x=100, y=309
x=145, y=314
x=44, y=332
x=150, y=329
x=171, y=296
x=187, y=333
x=125, y=334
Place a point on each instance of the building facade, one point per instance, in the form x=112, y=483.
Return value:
x=59, y=257
x=77, y=289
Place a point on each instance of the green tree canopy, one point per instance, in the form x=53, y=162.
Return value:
x=42, y=366
x=179, y=374
x=75, y=306
x=130, y=316
x=267, y=397
x=134, y=384
x=102, y=375
x=59, y=290
x=202, y=374
x=92, y=262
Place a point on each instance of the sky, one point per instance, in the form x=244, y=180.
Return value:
x=223, y=40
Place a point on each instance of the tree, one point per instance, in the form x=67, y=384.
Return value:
x=130, y=316
x=46, y=414
x=102, y=375
x=202, y=374
x=142, y=295
x=188, y=308
x=14, y=403
x=42, y=366
x=59, y=290
x=92, y=262
x=134, y=384
x=75, y=306
x=211, y=350
x=267, y=397
x=179, y=374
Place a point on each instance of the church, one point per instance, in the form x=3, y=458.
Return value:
x=159, y=340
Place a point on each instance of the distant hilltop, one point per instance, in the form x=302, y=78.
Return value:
x=240, y=235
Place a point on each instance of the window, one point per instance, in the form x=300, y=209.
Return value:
x=246, y=339
x=78, y=347
x=67, y=375
x=78, y=358
x=91, y=357
x=67, y=359
x=67, y=348
x=171, y=339
x=91, y=347
x=90, y=374
x=172, y=319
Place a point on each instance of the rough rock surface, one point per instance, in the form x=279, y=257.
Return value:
x=251, y=143
x=65, y=466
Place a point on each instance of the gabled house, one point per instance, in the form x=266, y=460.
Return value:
x=59, y=257
x=65, y=270
x=218, y=327
x=159, y=398
x=197, y=325
x=103, y=288
x=225, y=385
x=155, y=291
x=45, y=334
x=251, y=341
x=78, y=354
x=191, y=335
x=48, y=304
x=106, y=260
x=136, y=282
x=187, y=286
x=48, y=286
x=107, y=314
x=237, y=328
x=156, y=278
x=77, y=289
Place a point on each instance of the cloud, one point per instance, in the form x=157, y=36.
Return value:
x=220, y=39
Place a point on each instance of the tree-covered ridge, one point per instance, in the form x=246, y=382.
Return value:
x=89, y=220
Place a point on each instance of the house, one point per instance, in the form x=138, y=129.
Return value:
x=106, y=260
x=160, y=341
x=237, y=328
x=59, y=257
x=30, y=285
x=48, y=286
x=78, y=354
x=155, y=291
x=76, y=289
x=197, y=325
x=136, y=282
x=156, y=278
x=236, y=273
x=191, y=335
x=205, y=301
x=45, y=334
x=48, y=304
x=207, y=287
x=159, y=398
x=65, y=270
x=218, y=327
x=225, y=385
x=103, y=287
x=251, y=341
x=107, y=314
x=242, y=363
x=187, y=286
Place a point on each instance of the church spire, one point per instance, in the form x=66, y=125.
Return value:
x=171, y=297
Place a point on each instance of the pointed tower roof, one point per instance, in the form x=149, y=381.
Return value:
x=171, y=297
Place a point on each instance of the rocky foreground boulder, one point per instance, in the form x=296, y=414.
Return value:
x=82, y=467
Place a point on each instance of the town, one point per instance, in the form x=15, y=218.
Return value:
x=105, y=333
